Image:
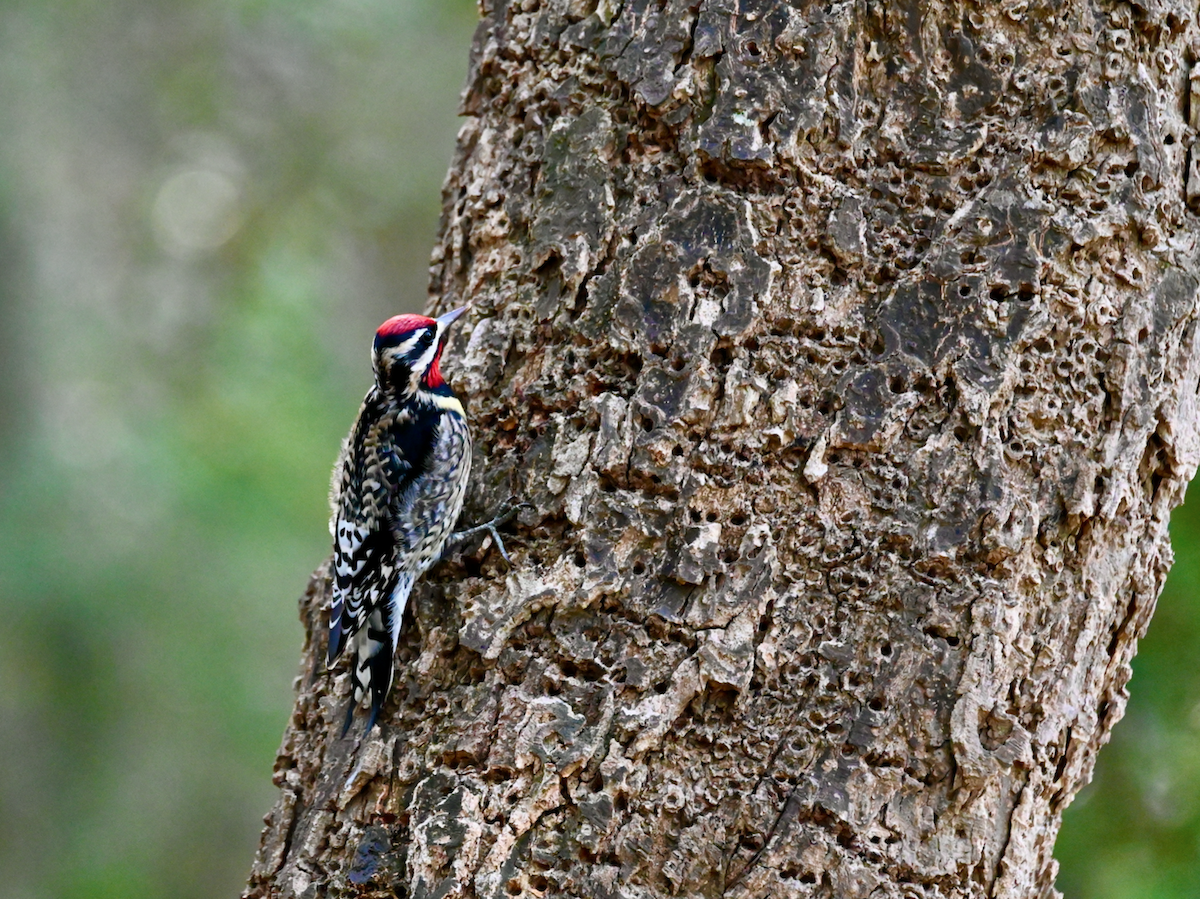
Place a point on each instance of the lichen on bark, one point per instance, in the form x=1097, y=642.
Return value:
x=847, y=355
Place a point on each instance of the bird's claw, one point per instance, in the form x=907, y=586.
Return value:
x=499, y=544
x=509, y=508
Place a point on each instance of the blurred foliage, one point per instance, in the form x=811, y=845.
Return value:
x=1134, y=832
x=205, y=209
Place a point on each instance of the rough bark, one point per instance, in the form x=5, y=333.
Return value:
x=847, y=353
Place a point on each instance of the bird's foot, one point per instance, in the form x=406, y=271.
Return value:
x=508, y=510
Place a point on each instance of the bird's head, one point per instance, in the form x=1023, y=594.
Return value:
x=407, y=351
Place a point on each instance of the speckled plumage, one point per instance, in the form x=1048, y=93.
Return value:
x=397, y=490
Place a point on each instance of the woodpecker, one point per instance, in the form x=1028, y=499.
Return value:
x=397, y=490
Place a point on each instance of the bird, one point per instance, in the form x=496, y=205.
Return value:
x=396, y=493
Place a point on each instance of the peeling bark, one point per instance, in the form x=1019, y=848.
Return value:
x=848, y=356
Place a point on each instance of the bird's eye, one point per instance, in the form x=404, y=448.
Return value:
x=423, y=343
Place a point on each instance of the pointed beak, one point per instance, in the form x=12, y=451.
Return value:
x=445, y=321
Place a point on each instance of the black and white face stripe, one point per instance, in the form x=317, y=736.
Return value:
x=407, y=361
x=418, y=341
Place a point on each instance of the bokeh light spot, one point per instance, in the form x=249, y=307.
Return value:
x=195, y=212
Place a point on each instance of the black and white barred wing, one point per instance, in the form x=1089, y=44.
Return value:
x=366, y=578
x=364, y=612
x=364, y=574
x=364, y=552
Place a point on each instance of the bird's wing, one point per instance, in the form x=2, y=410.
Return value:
x=364, y=545
x=364, y=573
x=428, y=504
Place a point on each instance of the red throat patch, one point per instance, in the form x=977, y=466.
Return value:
x=433, y=377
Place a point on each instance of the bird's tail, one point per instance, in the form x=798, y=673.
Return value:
x=374, y=654
x=337, y=635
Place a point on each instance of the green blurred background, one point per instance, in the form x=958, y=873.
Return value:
x=205, y=210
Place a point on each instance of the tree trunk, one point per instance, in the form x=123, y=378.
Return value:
x=847, y=354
